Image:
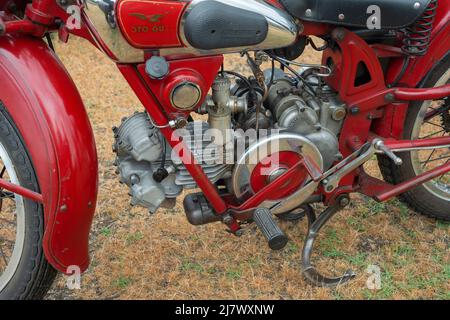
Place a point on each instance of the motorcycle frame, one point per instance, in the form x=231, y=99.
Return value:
x=69, y=212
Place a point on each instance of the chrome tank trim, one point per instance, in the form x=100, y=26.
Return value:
x=283, y=30
x=110, y=39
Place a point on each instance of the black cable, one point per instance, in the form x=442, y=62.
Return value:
x=49, y=41
x=294, y=72
x=272, y=76
x=402, y=72
x=163, y=159
x=252, y=92
x=315, y=47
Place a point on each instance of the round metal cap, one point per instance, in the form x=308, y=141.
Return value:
x=157, y=67
x=185, y=96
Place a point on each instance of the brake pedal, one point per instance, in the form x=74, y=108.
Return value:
x=276, y=238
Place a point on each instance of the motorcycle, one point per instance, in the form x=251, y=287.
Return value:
x=274, y=144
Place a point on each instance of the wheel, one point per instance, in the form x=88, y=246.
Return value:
x=425, y=119
x=24, y=271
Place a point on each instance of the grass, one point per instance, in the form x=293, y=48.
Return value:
x=137, y=256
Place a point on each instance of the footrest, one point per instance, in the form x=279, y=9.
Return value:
x=276, y=238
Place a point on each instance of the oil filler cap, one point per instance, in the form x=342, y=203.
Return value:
x=157, y=67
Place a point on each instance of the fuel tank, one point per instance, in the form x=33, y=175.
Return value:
x=193, y=28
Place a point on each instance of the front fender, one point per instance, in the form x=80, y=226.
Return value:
x=49, y=113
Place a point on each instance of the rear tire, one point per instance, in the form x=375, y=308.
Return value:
x=32, y=275
x=423, y=199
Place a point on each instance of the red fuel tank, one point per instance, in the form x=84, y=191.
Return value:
x=150, y=24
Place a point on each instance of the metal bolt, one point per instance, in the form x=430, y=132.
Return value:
x=354, y=110
x=344, y=201
x=63, y=208
x=239, y=233
x=389, y=97
x=417, y=5
x=338, y=34
x=134, y=179
x=308, y=13
x=341, y=16
x=227, y=219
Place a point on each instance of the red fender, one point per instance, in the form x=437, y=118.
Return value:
x=49, y=113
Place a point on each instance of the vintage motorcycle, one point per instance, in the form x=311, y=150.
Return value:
x=381, y=91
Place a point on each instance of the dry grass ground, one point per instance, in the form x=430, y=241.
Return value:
x=137, y=256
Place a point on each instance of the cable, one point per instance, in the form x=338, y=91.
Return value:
x=294, y=72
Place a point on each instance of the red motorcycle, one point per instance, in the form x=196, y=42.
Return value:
x=274, y=144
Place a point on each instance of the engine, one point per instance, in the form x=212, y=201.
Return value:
x=303, y=117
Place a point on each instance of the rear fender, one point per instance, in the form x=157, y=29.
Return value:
x=47, y=109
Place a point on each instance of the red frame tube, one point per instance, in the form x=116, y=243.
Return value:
x=27, y=193
x=413, y=183
x=416, y=144
x=413, y=94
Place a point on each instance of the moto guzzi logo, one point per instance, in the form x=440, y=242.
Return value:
x=154, y=19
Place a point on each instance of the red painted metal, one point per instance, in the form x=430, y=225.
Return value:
x=414, y=94
x=266, y=193
x=47, y=110
x=150, y=23
x=27, y=193
x=413, y=183
x=418, y=69
x=155, y=110
x=362, y=99
x=284, y=160
x=387, y=51
x=422, y=143
x=200, y=71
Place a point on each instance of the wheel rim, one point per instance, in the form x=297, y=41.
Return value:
x=431, y=127
x=12, y=223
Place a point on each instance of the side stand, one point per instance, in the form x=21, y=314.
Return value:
x=315, y=224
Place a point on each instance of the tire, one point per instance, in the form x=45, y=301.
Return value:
x=421, y=199
x=32, y=276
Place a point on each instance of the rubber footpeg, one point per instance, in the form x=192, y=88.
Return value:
x=276, y=238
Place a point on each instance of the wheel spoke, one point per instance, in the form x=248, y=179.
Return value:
x=434, y=112
x=434, y=124
x=424, y=163
x=430, y=135
x=441, y=178
x=437, y=159
x=6, y=195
